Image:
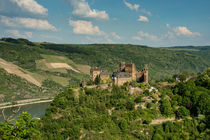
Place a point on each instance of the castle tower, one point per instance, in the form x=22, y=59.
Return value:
x=133, y=71
x=94, y=72
x=122, y=66
x=146, y=74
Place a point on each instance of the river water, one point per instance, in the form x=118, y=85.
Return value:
x=36, y=110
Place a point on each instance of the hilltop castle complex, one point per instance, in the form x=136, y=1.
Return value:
x=126, y=73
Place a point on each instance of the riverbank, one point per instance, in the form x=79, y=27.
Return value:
x=25, y=102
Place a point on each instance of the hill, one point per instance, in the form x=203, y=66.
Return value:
x=163, y=62
x=68, y=64
x=174, y=111
x=13, y=88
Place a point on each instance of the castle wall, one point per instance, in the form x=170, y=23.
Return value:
x=130, y=69
x=121, y=81
x=104, y=77
x=122, y=66
x=133, y=71
x=146, y=77
x=94, y=74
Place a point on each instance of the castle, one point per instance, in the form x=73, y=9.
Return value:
x=96, y=71
x=126, y=73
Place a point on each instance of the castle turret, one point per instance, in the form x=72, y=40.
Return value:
x=94, y=71
x=122, y=66
x=133, y=71
x=146, y=74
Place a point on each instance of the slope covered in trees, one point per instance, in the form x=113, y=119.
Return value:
x=13, y=88
x=114, y=113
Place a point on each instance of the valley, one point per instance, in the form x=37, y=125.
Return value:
x=174, y=93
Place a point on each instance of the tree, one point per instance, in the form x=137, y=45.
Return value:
x=182, y=112
x=184, y=76
x=23, y=128
x=166, y=108
x=97, y=80
x=138, y=99
x=157, y=137
x=146, y=92
x=203, y=104
x=147, y=121
x=130, y=105
x=123, y=125
x=149, y=105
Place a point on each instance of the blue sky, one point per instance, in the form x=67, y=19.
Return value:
x=144, y=22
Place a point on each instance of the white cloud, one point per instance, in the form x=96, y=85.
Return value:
x=22, y=7
x=146, y=12
x=132, y=7
x=143, y=19
x=147, y=36
x=31, y=6
x=137, y=38
x=17, y=34
x=27, y=23
x=116, y=36
x=85, y=27
x=182, y=30
x=82, y=9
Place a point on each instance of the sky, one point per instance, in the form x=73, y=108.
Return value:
x=155, y=23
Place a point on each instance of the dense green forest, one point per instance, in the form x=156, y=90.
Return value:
x=114, y=113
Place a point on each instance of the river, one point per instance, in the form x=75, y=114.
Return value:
x=36, y=110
